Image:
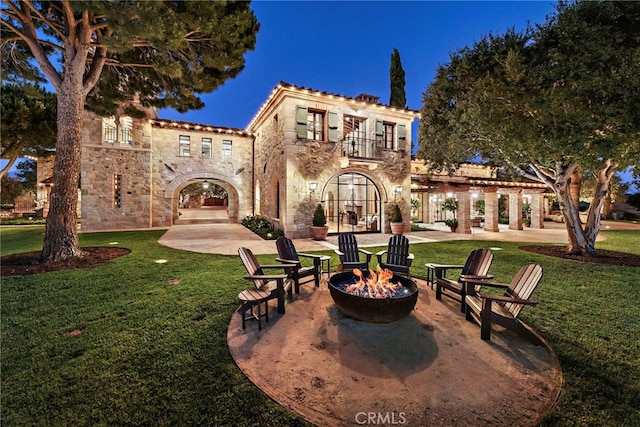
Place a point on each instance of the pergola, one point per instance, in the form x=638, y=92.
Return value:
x=472, y=183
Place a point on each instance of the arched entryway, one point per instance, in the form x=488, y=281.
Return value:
x=203, y=202
x=203, y=199
x=353, y=204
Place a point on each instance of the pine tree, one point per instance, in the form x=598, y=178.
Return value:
x=396, y=75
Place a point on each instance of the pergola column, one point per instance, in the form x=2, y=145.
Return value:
x=491, y=209
x=464, y=212
x=537, y=209
x=515, y=209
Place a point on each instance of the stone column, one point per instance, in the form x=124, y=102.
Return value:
x=424, y=207
x=537, y=209
x=464, y=212
x=515, y=210
x=491, y=210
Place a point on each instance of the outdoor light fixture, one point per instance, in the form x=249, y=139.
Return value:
x=397, y=190
x=205, y=185
x=312, y=187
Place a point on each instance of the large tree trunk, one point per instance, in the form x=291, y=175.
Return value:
x=61, y=235
x=582, y=241
x=575, y=184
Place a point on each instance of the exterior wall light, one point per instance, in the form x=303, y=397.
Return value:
x=312, y=187
x=205, y=185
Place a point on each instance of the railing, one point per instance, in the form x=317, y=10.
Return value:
x=361, y=148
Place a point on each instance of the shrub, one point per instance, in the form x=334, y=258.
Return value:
x=396, y=214
x=262, y=227
x=451, y=222
x=319, y=218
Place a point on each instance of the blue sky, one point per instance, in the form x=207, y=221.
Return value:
x=345, y=47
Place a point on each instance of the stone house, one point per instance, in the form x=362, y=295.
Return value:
x=353, y=155
x=303, y=147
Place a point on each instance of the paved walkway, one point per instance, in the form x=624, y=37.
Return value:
x=217, y=235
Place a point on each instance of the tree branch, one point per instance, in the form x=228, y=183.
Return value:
x=30, y=37
x=12, y=160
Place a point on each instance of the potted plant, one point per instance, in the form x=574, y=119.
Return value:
x=397, y=225
x=526, y=214
x=319, y=227
x=452, y=223
x=451, y=204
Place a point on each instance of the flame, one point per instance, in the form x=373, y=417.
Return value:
x=377, y=285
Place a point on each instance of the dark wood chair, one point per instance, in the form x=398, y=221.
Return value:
x=287, y=254
x=476, y=267
x=349, y=253
x=272, y=286
x=480, y=307
x=398, y=257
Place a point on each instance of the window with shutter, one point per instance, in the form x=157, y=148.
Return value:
x=388, y=135
x=315, y=125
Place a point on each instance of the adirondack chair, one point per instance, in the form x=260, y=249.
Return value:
x=398, y=257
x=267, y=286
x=476, y=267
x=349, y=253
x=287, y=254
x=480, y=306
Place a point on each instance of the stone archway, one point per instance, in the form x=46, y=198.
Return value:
x=226, y=212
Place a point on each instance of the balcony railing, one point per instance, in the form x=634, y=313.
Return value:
x=361, y=148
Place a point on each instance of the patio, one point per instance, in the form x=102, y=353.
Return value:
x=430, y=368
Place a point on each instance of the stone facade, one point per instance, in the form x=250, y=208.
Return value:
x=303, y=148
x=287, y=160
x=137, y=183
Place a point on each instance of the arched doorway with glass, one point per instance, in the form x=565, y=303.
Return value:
x=353, y=204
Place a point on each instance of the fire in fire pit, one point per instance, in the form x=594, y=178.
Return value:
x=377, y=297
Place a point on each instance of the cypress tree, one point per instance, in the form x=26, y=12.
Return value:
x=396, y=75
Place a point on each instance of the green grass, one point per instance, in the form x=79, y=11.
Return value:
x=154, y=353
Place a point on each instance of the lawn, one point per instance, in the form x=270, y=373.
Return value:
x=142, y=339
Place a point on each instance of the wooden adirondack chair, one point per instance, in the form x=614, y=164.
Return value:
x=398, y=257
x=476, y=267
x=480, y=306
x=287, y=254
x=349, y=253
x=267, y=286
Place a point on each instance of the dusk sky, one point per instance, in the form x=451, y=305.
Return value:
x=345, y=48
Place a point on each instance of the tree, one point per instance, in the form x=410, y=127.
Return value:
x=116, y=56
x=396, y=75
x=28, y=123
x=27, y=173
x=546, y=103
x=10, y=188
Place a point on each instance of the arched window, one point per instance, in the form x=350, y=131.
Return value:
x=354, y=204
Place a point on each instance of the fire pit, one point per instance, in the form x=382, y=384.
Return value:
x=376, y=297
